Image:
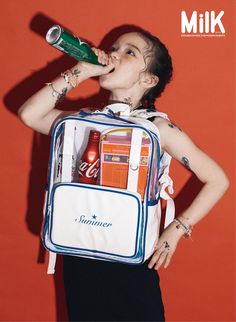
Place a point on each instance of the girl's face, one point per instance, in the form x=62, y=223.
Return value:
x=127, y=54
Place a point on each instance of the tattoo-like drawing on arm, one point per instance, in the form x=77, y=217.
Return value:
x=62, y=95
x=75, y=72
x=186, y=163
x=173, y=125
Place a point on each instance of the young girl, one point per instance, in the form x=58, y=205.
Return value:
x=135, y=71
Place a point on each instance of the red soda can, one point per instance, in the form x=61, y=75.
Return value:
x=89, y=163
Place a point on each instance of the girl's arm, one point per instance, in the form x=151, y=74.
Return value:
x=39, y=111
x=181, y=147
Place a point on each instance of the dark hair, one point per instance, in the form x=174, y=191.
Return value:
x=160, y=64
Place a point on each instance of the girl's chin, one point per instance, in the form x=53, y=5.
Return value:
x=105, y=83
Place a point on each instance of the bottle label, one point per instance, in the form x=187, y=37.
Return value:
x=89, y=170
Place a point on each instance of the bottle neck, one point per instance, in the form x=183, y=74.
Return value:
x=93, y=141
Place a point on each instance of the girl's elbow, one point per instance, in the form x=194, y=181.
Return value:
x=225, y=181
x=219, y=181
x=24, y=116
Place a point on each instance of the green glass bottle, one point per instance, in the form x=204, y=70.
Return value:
x=70, y=45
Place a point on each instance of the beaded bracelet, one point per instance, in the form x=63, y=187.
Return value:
x=71, y=77
x=187, y=229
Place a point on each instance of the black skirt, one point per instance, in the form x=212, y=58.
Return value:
x=105, y=291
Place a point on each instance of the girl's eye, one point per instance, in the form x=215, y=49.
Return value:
x=130, y=52
x=112, y=49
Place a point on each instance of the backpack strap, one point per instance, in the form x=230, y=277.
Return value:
x=143, y=113
x=134, y=159
x=165, y=182
x=51, y=262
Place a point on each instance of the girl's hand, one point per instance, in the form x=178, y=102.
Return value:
x=92, y=70
x=166, y=246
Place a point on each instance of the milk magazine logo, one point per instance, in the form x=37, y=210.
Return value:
x=93, y=222
x=202, y=24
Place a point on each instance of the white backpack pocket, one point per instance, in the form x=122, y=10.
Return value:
x=106, y=225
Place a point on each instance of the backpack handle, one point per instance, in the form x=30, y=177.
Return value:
x=111, y=115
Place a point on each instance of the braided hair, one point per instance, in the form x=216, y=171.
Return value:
x=159, y=64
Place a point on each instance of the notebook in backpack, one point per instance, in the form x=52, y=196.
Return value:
x=103, y=221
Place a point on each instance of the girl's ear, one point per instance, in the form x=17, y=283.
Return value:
x=149, y=80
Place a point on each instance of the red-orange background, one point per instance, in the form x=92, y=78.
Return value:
x=199, y=285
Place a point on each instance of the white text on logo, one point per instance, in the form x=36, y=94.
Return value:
x=202, y=23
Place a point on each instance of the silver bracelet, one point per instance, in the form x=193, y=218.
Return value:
x=59, y=96
x=188, y=230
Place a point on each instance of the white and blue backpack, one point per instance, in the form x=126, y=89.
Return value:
x=102, y=222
